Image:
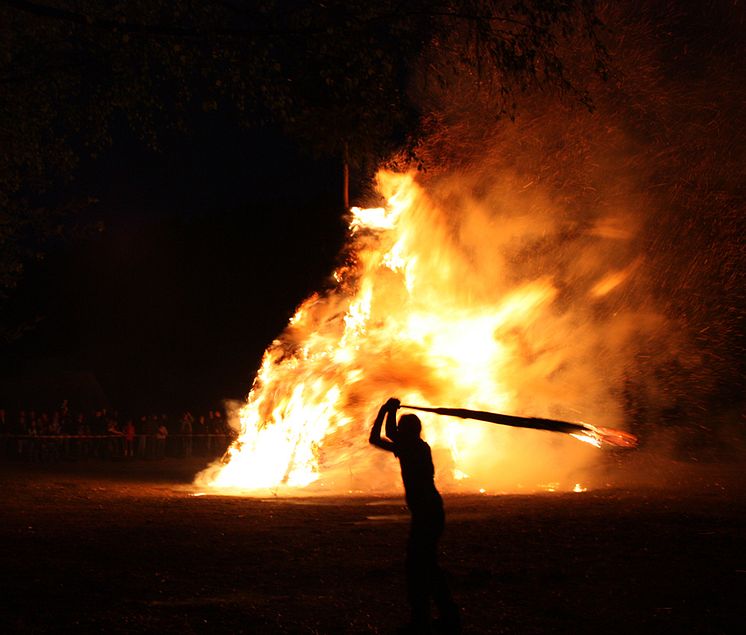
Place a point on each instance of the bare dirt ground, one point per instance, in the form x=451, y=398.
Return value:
x=128, y=547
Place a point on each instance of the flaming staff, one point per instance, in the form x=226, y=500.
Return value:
x=595, y=435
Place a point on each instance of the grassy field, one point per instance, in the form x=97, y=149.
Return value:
x=102, y=547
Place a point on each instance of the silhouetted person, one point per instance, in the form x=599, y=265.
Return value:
x=186, y=433
x=161, y=436
x=129, y=439
x=425, y=579
x=151, y=430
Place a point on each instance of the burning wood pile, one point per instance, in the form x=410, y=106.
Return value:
x=427, y=306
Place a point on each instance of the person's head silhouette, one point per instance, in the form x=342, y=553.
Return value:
x=409, y=428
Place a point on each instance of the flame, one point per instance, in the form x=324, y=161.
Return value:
x=409, y=316
x=614, y=279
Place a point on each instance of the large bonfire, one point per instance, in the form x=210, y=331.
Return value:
x=422, y=308
x=585, y=266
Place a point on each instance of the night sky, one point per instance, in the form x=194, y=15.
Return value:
x=187, y=266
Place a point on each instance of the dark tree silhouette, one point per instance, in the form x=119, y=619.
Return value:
x=336, y=75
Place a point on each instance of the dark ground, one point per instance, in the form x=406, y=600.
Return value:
x=102, y=547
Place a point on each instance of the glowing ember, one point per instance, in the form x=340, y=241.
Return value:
x=412, y=316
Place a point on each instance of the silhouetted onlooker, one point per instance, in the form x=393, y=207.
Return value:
x=160, y=438
x=129, y=439
x=200, y=429
x=115, y=440
x=186, y=434
x=84, y=444
x=151, y=431
x=142, y=441
x=166, y=423
x=21, y=430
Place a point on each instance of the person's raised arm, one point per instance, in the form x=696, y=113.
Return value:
x=392, y=405
x=375, y=431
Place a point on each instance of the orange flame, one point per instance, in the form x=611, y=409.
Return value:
x=406, y=318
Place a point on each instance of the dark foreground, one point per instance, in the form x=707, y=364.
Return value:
x=125, y=548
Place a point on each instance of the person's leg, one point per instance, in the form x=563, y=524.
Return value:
x=426, y=532
x=418, y=592
x=449, y=615
x=448, y=611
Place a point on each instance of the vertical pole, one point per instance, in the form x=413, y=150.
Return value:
x=346, y=185
x=346, y=180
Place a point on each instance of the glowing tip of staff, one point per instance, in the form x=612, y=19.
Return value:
x=587, y=438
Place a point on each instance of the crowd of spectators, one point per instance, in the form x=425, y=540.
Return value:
x=31, y=435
